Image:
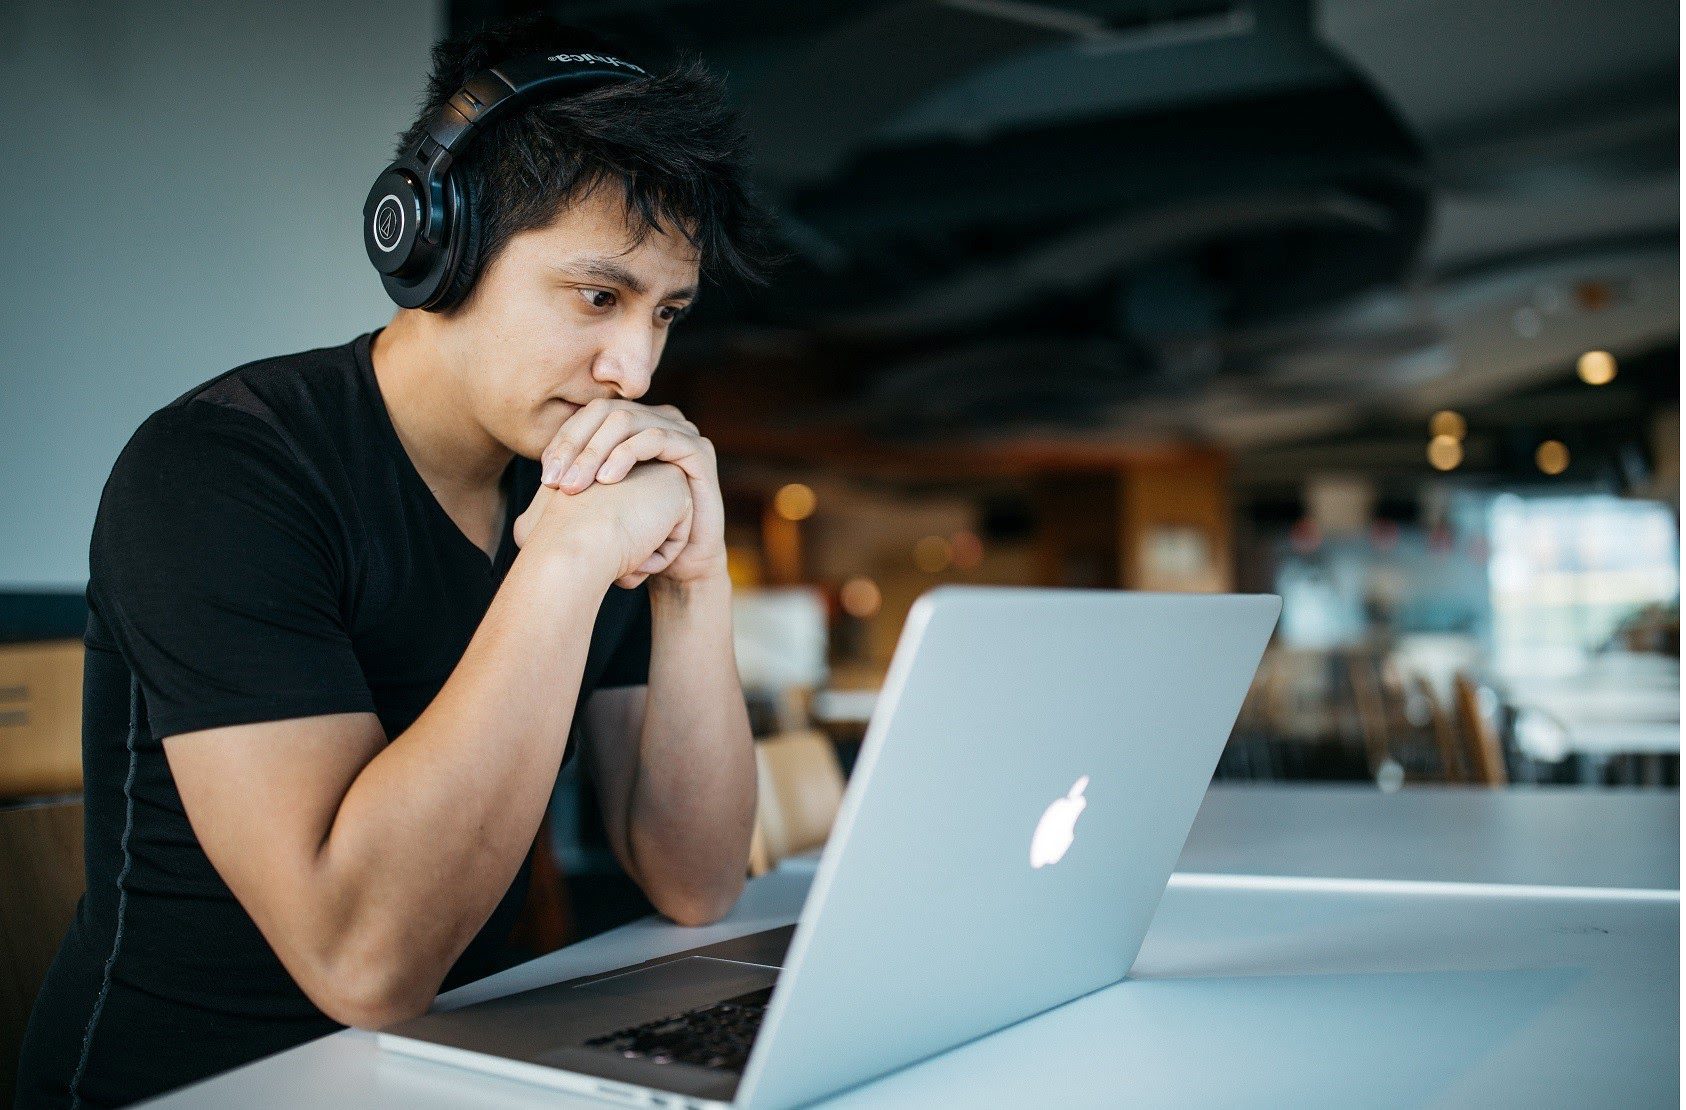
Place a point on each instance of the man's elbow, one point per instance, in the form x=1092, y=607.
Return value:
x=369, y=996
x=699, y=906
x=370, y=1008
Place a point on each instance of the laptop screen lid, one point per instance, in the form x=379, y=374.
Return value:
x=1022, y=795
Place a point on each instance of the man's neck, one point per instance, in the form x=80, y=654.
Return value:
x=453, y=454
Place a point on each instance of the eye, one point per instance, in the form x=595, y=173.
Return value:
x=599, y=298
x=669, y=313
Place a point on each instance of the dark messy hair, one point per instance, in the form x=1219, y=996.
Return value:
x=669, y=144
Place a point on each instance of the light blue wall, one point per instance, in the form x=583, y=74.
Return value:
x=181, y=194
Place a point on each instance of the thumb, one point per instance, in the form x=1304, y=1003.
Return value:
x=525, y=523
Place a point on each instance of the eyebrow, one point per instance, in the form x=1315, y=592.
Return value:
x=605, y=269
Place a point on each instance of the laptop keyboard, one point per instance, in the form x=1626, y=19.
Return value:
x=714, y=1036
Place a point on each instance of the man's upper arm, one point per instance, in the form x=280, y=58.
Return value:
x=612, y=725
x=261, y=799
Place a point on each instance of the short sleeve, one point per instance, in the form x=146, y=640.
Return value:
x=629, y=663
x=213, y=568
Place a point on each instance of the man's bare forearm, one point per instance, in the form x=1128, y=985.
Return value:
x=434, y=829
x=693, y=801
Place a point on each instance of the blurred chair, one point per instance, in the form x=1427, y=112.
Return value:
x=40, y=718
x=41, y=879
x=1408, y=736
x=1444, y=731
x=546, y=920
x=1483, y=750
x=800, y=787
x=1369, y=703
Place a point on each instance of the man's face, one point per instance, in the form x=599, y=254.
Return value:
x=566, y=314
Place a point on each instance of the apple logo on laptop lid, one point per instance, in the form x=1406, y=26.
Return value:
x=1058, y=826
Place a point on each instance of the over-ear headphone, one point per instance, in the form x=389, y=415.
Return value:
x=419, y=225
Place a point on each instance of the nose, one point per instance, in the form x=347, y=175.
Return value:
x=627, y=361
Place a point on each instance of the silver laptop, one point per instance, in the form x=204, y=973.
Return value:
x=1023, y=792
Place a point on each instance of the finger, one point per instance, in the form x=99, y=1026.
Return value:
x=529, y=518
x=672, y=414
x=630, y=581
x=676, y=542
x=578, y=430
x=574, y=434
x=661, y=444
x=619, y=426
x=663, y=556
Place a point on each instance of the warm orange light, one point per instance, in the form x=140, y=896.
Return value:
x=966, y=549
x=932, y=554
x=795, y=502
x=1447, y=423
x=1552, y=457
x=1445, y=453
x=1597, y=367
x=860, y=597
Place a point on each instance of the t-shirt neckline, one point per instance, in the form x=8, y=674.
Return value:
x=361, y=350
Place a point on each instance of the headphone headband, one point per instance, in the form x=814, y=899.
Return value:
x=495, y=91
x=415, y=219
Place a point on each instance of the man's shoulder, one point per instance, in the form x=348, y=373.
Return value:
x=195, y=470
x=182, y=439
x=273, y=415
x=285, y=409
x=281, y=389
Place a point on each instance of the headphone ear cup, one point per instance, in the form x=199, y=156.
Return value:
x=464, y=265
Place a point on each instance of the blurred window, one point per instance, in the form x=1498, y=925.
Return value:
x=1566, y=571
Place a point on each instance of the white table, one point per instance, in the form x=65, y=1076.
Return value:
x=1540, y=836
x=1613, y=709
x=1316, y=994
x=1549, y=837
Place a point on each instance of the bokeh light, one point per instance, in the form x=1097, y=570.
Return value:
x=932, y=554
x=795, y=502
x=861, y=598
x=1445, y=452
x=1597, y=368
x=1552, y=457
x=966, y=549
x=1447, y=423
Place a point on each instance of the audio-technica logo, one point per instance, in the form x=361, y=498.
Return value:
x=388, y=222
x=601, y=59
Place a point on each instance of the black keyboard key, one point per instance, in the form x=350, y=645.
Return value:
x=715, y=1036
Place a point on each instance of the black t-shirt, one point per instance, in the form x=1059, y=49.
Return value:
x=264, y=549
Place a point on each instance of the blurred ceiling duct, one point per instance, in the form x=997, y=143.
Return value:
x=1218, y=139
x=940, y=162
x=994, y=387
x=1091, y=255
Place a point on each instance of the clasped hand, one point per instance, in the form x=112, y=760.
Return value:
x=600, y=445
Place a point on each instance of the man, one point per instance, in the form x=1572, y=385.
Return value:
x=348, y=608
